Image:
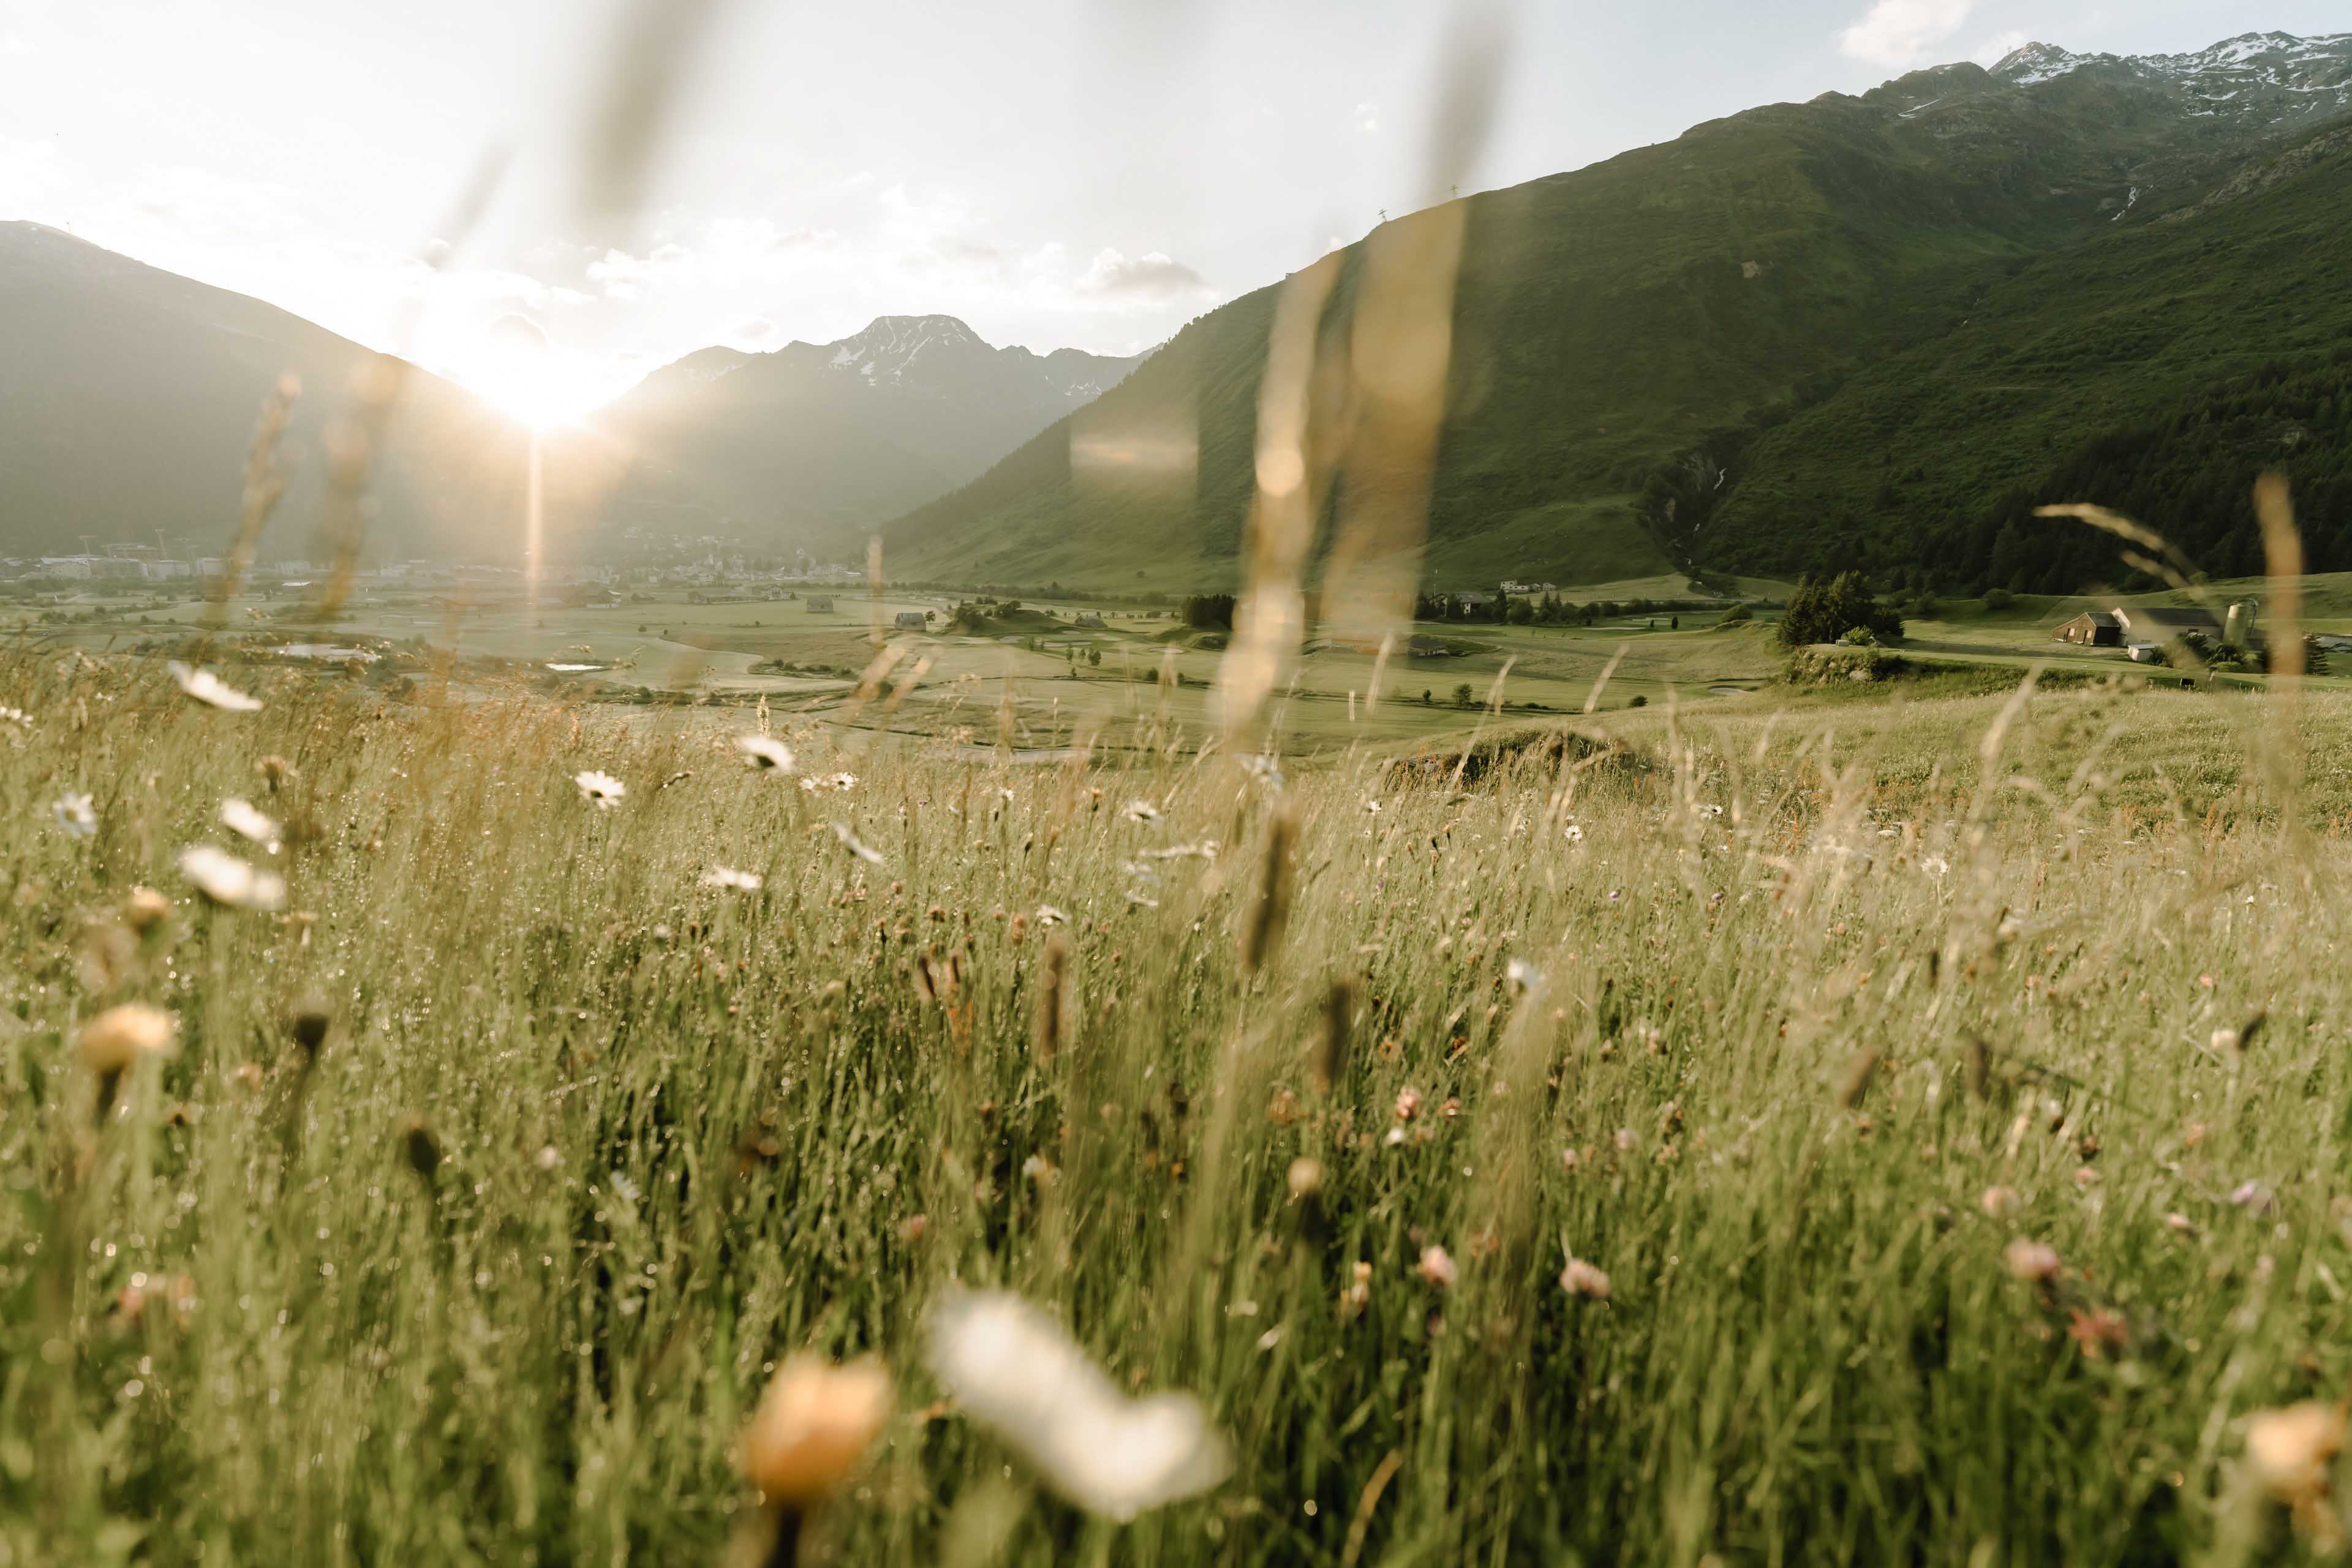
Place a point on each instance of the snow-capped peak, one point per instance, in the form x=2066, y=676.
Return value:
x=2036, y=63
x=2267, y=78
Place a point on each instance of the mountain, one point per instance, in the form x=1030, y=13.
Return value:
x=128, y=401
x=1648, y=350
x=843, y=434
x=129, y=395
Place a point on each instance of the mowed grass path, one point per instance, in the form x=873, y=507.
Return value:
x=1789, y=1022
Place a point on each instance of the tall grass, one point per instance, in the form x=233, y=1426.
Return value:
x=1789, y=1025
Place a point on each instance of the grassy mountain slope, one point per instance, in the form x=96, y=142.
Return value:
x=2157, y=368
x=1622, y=331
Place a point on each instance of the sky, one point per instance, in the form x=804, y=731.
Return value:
x=1089, y=173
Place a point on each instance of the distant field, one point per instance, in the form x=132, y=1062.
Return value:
x=807, y=663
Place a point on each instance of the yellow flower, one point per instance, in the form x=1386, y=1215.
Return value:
x=2290, y=1450
x=119, y=1036
x=812, y=1426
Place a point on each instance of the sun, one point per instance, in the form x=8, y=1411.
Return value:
x=540, y=396
x=516, y=368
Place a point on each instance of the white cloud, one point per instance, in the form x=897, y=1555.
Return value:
x=1151, y=277
x=1898, y=34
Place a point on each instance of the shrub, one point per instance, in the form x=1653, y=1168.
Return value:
x=1999, y=599
x=1824, y=612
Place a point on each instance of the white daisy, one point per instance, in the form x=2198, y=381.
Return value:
x=1522, y=975
x=1265, y=770
x=1047, y=915
x=211, y=690
x=857, y=846
x=1142, y=811
x=765, y=753
x=226, y=879
x=1015, y=1370
x=602, y=788
x=727, y=877
x=1204, y=850
x=1574, y=833
x=242, y=818
x=74, y=813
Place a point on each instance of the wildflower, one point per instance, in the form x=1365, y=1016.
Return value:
x=1934, y=865
x=74, y=813
x=1048, y=916
x=1584, y=1281
x=226, y=879
x=2031, y=1261
x=240, y=817
x=211, y=690
x=1142, y=811
x=1408, y=1104
x=857, y=846
x=1206, y=849
x=1015, y=1370
x=2180, y=1224
x=2253, y=1197
x=119, y=1036
x=812, y=1426
x=1522, y=975
x=2290, y=1451
x=2097, y=1330
x=15, y=716
x=1305, y=1178
x=1263, y=770
x=1624, y=1140
x=1436, y=1268
x=602, y=789
x=1712, y=810
x=728, y=877
x=765, y=754
x=1372, y=807
x=1039, y=1169
x=1999, y=1201
x=1573, y=834
x=143, y=909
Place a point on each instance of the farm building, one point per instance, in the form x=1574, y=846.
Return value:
x=2137, y=626
x=2093, y=628
x=1091, y=621
x=2152, y=623
x=913, y=620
